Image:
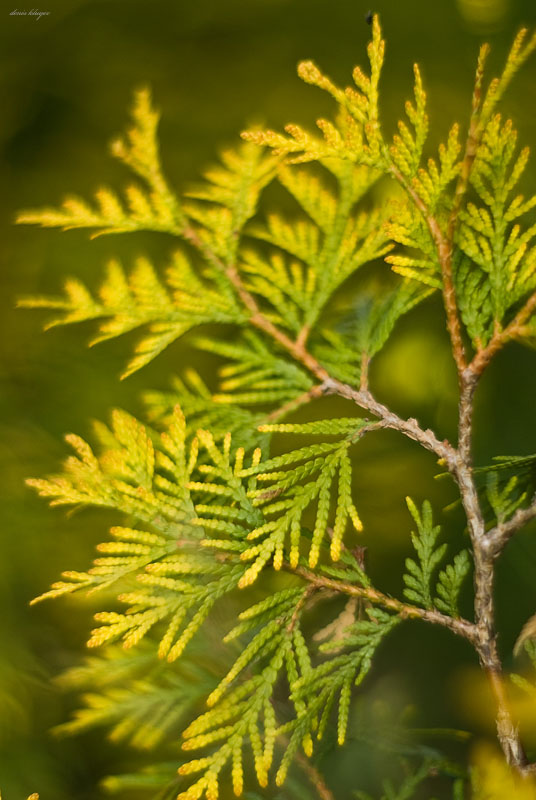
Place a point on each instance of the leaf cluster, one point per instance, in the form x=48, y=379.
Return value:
x=419, y=576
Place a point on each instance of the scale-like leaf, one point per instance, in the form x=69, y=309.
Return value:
x=155, y=208
x=419, y=575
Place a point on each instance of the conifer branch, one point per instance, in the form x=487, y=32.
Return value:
x=362, y=398
x=486, y=547
x=257, y=318
x=203, y=517
x=485, y=550
x=485, y=640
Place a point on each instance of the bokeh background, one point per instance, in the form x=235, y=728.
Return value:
x=215, y=66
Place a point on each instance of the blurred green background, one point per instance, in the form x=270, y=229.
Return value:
x=215, y=66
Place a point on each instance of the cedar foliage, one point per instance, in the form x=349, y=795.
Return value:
x=205, y=509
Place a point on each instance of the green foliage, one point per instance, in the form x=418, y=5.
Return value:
x=506, y=500
x=181, y=582
x=308, y=261
x=449, y=583
x=419, y=576
x=253, y=375
x=284, y=501
x=493, y=259
x=529, y=646
x=333, y=679
x=192, y=394
x=208, y=504
x=330, y=246
x=501, y=258
x=152, y=208
x=158, y=779
x=168, y=310
x=246, y=713
x=131, y=476
x=507, y=484
x=231, y=191
x=289, y=485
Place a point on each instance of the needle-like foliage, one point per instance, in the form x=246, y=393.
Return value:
x=231, y=507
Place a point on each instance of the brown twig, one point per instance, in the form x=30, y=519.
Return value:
x=507, y=732
x=302, y=602
x=303, y=335
x=500, y=337
x=444, y=252
x=409, y=427
x=498, y=537
x=459, y=626
x=480, y=635
x=486, y=547
x=315, y=777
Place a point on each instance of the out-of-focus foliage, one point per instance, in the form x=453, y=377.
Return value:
x=492, y=780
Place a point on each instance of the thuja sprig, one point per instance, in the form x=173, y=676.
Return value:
x=207, y=509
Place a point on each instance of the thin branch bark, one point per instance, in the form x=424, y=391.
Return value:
x=409, y=427
x=486, y=548
x=485, y=551
x=459, y=626
x=315, y=777
x=507, y=732
x=498, y=537
x=444, y=250
x=516, y=328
